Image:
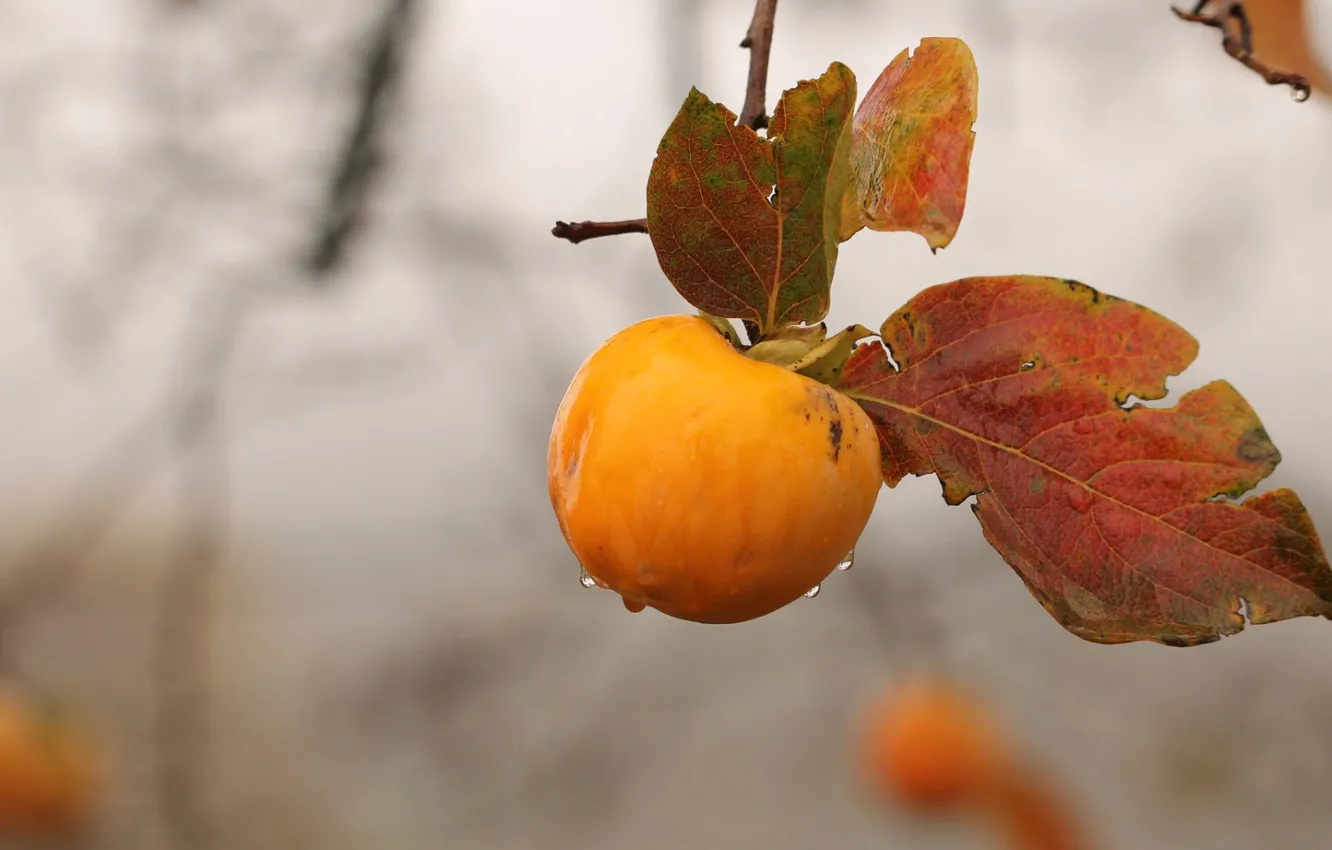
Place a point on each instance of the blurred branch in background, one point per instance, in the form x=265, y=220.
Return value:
x=191, y=432
x=361, y=155
x=183, y=607
x=133, y=196
x=107, y=489
x=200, y=447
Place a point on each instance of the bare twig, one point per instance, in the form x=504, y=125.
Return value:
x=759, y=41
x=577, y=231
x=754, y=114
x=1229, y=17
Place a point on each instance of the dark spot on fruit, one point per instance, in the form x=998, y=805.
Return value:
x=835, y=436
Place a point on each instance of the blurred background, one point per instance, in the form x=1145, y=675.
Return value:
x=283, y=330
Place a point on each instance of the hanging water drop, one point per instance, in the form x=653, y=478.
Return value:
x=1299, y=92
x=633, y=607
x=848, y=561
x=813, y=591
x=584, y=579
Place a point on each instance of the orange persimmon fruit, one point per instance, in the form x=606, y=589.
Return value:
x=933, y=747
x=48, y=770
x=930, y=745
x=708, y=485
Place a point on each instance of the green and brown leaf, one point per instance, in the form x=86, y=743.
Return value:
x=1012, y=389
x=727, y=243
x=911, y=144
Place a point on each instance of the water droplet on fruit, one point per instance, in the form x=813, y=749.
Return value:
x=1080, y=498
x=584, y=579
x=848, y=561
x=632, y=606
x=1299, y=93
x=813, y=591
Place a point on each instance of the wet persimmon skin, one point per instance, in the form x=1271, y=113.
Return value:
x=48, y=772
x=710, y=486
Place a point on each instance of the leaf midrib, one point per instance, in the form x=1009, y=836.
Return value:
x=911, y=411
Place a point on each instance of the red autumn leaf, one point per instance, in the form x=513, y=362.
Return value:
x=911, y=144
x=1012, y=389
x=730, y=245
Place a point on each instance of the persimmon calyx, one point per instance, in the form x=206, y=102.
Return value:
x=824, y=363
x=789, y=345
x=809, y=351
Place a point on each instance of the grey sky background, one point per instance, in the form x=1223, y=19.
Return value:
x=399, y=654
